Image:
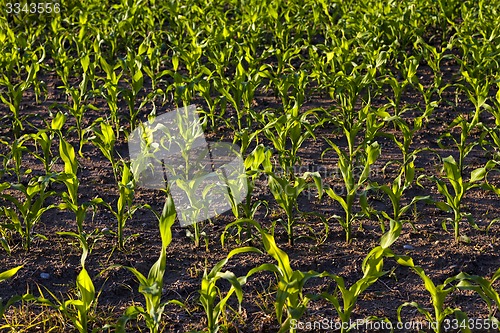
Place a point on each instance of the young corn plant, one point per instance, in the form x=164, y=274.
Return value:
x=125, y=208
x=104, y=138
x=13, y=161
x=14, y=95
x=344, y=299
x=464, y=147
x=77, y=109
x=395, y=192
x=239, y=91
x=405, y=178
x=133, y=66
x=438, y=296
x=70, y=179
x=210, y=292
x=454, y=170
x=204, y=89
x=353, y=187
x=112, y=91
x=433, y=57
x=478, y=95
x=28, y=211
x=406, y=174
x=152, y=69
x=453, y=174
x=290, y=302
x=484, y=288
x=64, y=62
x=82, y=306
x=409, y=69
x=286, y=194
x=43, y=139
x=288, y=132
x=88, y=67
x=357, y=155
x=77, y=310
x=183, y=89
x=253, y=163
x=151, y=286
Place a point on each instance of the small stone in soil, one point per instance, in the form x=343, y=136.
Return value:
x=407, y=247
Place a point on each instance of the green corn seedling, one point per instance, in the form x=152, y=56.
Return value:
x=353, y=187
x=239, y=92
x=203, y=87
x=372, y=271
x=112, y=91
x=433, y=57
x=28, y=212
x=182, y=90
x=84, y=304
x=287, y=133
x=454, y=199
x=87, y=294
x=15, y=156
x=286, y=193
x=125, y=208
x=438, y=296
x=209, y=291
x=105, y=140
x=367, y=151
x=70, y=179
x=406, y=175
x=77, y=110
x=88, y=67
x=191, y=56
x=14, y=95
x=64, y=62
x=77, y=310
x=395, y=193
x=44, y=138
x=408, y=68
x=478, y=97
x=484, y=288
x=133, y=66
x=151, y=286
x=454, y=170
x=253, y=163
x=290, y=302
x=295, y=82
